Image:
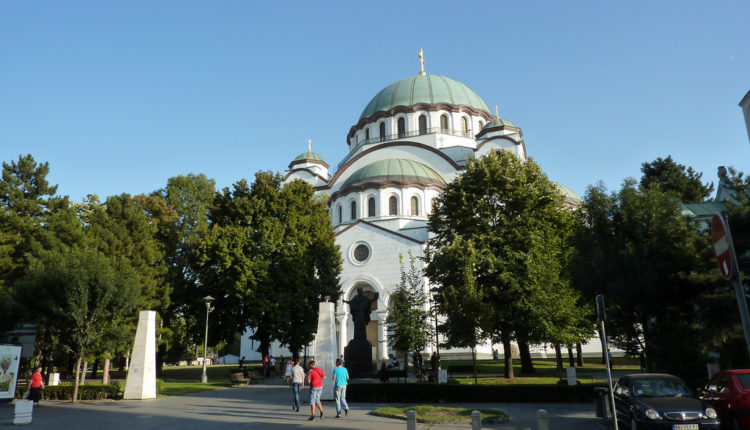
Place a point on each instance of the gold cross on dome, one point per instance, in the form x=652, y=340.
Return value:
x=497, y=113
x=309, y=145
x=421, y=62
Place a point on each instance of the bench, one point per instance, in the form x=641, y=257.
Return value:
x=393, y=373
x=238, y=377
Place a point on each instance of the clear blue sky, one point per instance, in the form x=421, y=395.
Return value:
x=118, y=96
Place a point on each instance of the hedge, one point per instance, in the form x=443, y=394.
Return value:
x=452, y=393
x=64, y=391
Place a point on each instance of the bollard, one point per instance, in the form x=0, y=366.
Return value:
x=542, y=419
x=411, y=419
x=476, y=420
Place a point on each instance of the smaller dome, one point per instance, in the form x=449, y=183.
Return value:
x=569, y=194
x=394, y=169
x=309, y=155
x=498, y=122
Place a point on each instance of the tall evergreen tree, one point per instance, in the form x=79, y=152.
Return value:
x=671, y=177
x=408, y=320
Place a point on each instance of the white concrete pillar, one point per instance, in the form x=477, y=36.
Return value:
x=383, y=336
x=343, y=320
x=325, y=346
x=141, y=381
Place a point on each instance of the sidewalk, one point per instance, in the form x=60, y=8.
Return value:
x=263, y=406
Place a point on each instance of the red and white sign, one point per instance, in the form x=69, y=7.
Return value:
x=720, y=238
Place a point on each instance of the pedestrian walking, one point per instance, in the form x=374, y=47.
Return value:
x=266, y=366
x=340, y=381
x=242, y=363
x=315, y=378
x=298, y=382
x=420, y=363
x=288, y=372
x=36, y=385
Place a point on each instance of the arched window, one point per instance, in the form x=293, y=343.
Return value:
x=422, y=124
x=444, y=123
x=339, y=213
x=481, y=124
x=354, y=210
x=393, y=206
x=371, y=206
x=401, y=128
x=367, y=134
x=465, y=126
x=382, y=131
x=415, y=206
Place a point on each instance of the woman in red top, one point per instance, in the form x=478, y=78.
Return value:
x=36, y=385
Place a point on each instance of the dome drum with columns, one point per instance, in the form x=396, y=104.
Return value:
x=414, y=137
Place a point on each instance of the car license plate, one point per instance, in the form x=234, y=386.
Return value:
x=685, y=427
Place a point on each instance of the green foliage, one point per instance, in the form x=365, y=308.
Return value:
x=408, y=321
x=78, y=296
x=64, y=391
x=673, y=178
x=442, y=414
x=499, y=252
x=653, y=268
x=268, y=257
x=31, y=218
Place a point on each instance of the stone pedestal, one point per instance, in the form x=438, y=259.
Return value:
x=358, y=358
x=141, y=382
x=23, y=411
x=325, y=346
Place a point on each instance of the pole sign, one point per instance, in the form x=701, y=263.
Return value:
x=722, y=250
x=600, y=309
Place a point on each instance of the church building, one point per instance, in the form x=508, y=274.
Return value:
x=414, y=137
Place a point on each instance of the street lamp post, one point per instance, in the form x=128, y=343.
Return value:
x=433, y=302
x=208, y=300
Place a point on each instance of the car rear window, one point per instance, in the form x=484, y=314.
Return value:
x=744, y=379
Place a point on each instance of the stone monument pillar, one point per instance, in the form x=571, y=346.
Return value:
x=325, y=346
x=358, y=354
x=141, y=382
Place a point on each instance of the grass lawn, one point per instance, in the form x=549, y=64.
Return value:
x=441, y=414
x=219, y=372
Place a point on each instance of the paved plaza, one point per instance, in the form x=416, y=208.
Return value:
x=264, y=406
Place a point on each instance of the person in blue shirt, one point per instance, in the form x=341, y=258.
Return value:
x=340, y=381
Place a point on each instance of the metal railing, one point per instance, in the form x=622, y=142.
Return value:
x=404, y=135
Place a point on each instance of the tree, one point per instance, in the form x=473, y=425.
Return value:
x=81, y=294
x=190, y=197
x=408, y=320
x=27, y=200
x=462, y=301
x=126, y=230
x=671, y=177
x=636, y=248
x=269, y=256
x=509, y=216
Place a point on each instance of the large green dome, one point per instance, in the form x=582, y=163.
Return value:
x=394, y=169
x=431, y=89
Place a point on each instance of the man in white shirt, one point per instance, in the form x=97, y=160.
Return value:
x=298, y=381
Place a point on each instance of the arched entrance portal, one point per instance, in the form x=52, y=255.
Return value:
x=372, y=326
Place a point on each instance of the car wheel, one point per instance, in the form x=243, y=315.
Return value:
x=633, y=424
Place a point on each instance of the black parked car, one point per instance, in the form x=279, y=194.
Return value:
x=660, y=401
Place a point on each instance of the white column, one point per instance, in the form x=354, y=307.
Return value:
x=383, y=335
x=141, y=381
x=325, y=346
x=342, y=318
